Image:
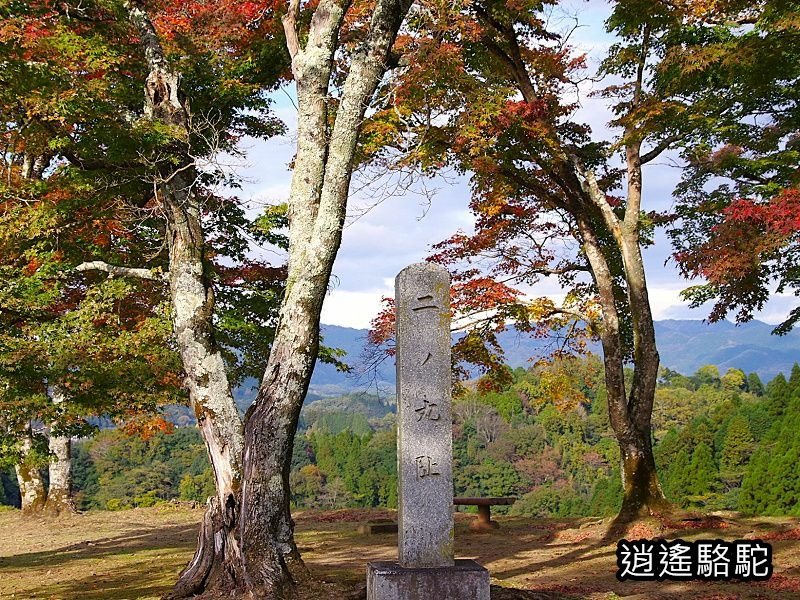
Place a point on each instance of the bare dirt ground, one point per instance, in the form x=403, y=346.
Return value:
x=138, y=553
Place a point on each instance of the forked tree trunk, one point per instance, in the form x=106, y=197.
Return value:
x=318, y=199
x=642, y=491
x=29, y=477
x=629, y=413
x=608, y=239
x=246, y=545
x=59, y=491
x=629, y=410
x=216, y=564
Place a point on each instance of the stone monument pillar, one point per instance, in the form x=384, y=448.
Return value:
x=424, y=425
x=426, y=569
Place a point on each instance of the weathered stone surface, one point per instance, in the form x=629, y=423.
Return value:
x=465, y=580
x=424, y=437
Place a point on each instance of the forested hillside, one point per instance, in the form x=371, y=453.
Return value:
x=723, y=441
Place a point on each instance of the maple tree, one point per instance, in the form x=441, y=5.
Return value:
x=202, y=72
x=486, y=94
x=204, y=68
x=739, y=202
x=80, y=125
x=71, y=347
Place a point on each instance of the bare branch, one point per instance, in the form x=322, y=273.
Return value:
x=80, y=13
x=117, y=271
x=662, y=146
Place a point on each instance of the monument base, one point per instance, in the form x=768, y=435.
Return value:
x=466, y=579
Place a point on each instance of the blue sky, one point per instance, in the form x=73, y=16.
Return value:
x=401, y=230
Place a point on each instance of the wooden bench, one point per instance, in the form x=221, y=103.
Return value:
x=484, y=521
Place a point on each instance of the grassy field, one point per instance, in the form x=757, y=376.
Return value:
x=138, y=553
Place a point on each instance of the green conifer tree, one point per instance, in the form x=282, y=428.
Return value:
x=702, y=471
x=754, y=385
x=794, y=379
x=778, y=394
x=771, y=484
x=736, y=449
x=676, y=482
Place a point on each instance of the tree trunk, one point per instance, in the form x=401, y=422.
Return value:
x=215, y=565
x=209, y=392
x=59, y=492
x=33, y=167
x=629, y=412
x=250, y=551
x=26, y=172
x=642, y=494
x=29, y=477
x=317, y=205
x=642, y=491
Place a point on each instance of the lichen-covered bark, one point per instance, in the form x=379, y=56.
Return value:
x=29, y=477
x=34, y=166
x=216, y=564
x=246, y=546
x=59, y=491
x=209, y=392
x=317, y=204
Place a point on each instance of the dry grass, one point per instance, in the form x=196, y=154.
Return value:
x=138, y=553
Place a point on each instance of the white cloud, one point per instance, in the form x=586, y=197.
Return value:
x=354, y=308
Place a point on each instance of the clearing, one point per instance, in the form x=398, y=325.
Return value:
x=138, y=553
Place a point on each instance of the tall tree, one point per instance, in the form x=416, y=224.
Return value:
x=328, y=137
x=113, y=151
x=246, y=542
x=204, y=77
x=754, y=384
x=486, y=94
x=72, y=345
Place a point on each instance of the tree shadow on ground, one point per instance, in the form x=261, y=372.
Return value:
x=174, y=536
x=519, y=550
x=589, y=570
x=126, y=582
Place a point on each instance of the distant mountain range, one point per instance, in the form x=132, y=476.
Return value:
x=684, y=345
